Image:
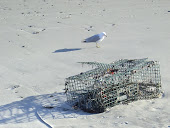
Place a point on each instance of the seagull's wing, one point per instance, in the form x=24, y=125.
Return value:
x=94, y=38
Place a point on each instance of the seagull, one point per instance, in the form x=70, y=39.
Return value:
x=96, y=38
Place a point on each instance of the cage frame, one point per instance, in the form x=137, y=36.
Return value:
x=119, y=82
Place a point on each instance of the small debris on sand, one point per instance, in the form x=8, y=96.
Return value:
x=48, y=107
x=15, y=86
x=35, y=33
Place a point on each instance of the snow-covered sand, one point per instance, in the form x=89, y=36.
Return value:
x=40, y=45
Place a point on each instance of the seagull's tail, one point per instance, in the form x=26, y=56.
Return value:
x=83, y=41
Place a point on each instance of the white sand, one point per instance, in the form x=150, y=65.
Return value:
x=40, y=45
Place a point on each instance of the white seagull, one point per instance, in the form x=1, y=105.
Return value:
x=96, y=38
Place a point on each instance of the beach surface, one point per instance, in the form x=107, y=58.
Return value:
x=41, y=43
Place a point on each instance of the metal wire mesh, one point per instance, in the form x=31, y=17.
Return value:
x=107, y=85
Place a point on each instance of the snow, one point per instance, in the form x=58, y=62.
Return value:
x=36, y=56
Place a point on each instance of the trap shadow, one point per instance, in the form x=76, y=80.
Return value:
x=48, y=106
x=67, y=50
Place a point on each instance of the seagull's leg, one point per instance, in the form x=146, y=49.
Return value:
x=97, y=45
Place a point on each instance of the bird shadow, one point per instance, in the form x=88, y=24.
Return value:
x=67, y=50
x=48, y=106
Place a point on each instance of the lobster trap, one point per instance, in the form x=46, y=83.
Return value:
x=107, y=85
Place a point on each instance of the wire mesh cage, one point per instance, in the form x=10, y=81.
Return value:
x=107, y=85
